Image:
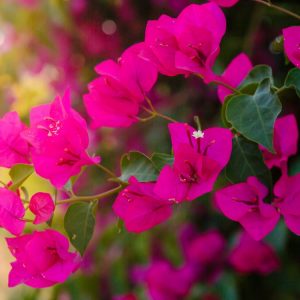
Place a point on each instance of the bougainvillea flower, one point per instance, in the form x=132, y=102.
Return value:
x=42, y=259
x=13, y=148
x=291, y=41
x=287, y=191
x=114, y=98
x=140, y=208
x=126, y=297
x=165, y=282
x=226, y=3
x=234, y=74
x=11, y=212
x=285, y=142
x=243, y=203
x=42, y=206
x=250, y=256
x=175, y=48
x=199, y=158
x=59, y=139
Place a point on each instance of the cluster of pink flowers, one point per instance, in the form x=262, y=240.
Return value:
x=56, y=144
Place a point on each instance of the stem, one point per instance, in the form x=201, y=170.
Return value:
x=111, y=174
x=279, y=8
x=218, y=82
x=91, y=198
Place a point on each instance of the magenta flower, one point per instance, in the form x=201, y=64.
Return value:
x=13, y=148
x=140, y=208
x=187, y=44
x=285, y=142
x=166, y=282
x=243, y=203
x=291, y=41
x=42, y=259
x=42, y=206
x=287, y=191
x=59, y=139
x=114, y=98
x=253, y=256
x=234, y=74
x=199, y=158
x=11, y=212
x=225, y=3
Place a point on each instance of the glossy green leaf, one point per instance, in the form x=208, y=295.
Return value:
x=79, y=224
x=258, y=74
x=293, y=80
x=138, y=165
x=162, y=159
x=254, y=116
x=246, y=160
x=18, y=174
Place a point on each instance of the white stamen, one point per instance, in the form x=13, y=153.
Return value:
x=199, y=134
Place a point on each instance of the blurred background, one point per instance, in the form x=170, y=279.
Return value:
x=47, y=46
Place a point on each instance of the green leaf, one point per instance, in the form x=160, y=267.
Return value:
x=79, y=224
x=278, y=237
x=227, y=287
x=246, y=160
x=293, y=80
x=162, y=159
x=258, y=74
x=139, y=165
x=18, y=174
x=254, y=116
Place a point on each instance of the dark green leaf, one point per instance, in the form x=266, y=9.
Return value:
x=254, y=116
x=293, y=80
x=18, y=174
x=79, y=223
x=246, y=160
x=257, y=75
x=162, y=159
x=278, y=237
x=139, y=165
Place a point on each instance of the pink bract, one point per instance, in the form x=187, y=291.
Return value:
x=114, y=98
x=175, y=48
x=285, y=142
x=11, y=212
x=291, y=41
x=42, y=206
x=287, y=191
x=166, y=282
x=13, y=148
x=140, y=208
x=234, y=74
x=59, y=139
x=197, y=164
x=42, y=259
x=225, y=3
x=253, y=256
x=243, y=203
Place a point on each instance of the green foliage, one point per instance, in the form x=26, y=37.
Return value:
x=293, y=80
x=18, y=174
x=254, y=116
x=246, y=160
x=139, y=165
x=162, y=159
x=79, y=224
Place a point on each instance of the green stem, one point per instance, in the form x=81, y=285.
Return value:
x=112, y=175
x=91, y=198
x=279, y=8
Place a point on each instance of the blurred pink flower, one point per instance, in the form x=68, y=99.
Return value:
x=42, y=259
x=253, y=256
